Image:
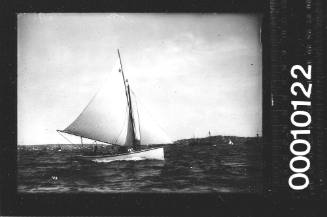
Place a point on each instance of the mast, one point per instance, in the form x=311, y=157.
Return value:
x=129, y=102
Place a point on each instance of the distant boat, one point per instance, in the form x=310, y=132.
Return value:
x=58, y=148
x=113, y=116
x=230, y=142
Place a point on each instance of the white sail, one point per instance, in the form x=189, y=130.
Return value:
x=149, y=130
x=105, y=118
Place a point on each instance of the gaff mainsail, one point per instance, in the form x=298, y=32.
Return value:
x=104, y=118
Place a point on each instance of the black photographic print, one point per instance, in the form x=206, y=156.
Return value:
x=168, y=117
x=164, y=109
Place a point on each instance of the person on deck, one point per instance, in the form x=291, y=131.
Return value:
x=130, y=150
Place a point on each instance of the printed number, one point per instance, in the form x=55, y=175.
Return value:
x=304, y=122
x=303, y=114
x=307, y=75
x=303, y=142
x=298, y=176
x=306, y=92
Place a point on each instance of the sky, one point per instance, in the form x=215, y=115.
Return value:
x=194, y=72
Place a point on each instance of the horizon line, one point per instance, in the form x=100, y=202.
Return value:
x=167, y=143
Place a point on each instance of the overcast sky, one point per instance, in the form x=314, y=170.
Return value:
x=194, y=72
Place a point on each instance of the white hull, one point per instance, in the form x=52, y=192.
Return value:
x=146, y=154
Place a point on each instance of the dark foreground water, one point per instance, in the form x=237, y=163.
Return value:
x=219, y=168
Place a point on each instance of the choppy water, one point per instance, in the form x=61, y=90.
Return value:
x=220, y=168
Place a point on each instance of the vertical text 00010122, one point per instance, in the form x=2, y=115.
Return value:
x=301, y=119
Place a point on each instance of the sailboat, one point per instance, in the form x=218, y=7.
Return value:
x=230, y=142
x=58, y=148
x=114, y=116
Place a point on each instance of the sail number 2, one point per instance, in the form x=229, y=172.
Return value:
x=301, y=120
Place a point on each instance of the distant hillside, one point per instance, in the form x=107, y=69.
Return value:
x=221, y=140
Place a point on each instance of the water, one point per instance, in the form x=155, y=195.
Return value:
x=219, y=168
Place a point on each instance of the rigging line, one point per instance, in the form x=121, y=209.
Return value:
x=65, y=138
x=84, y=137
